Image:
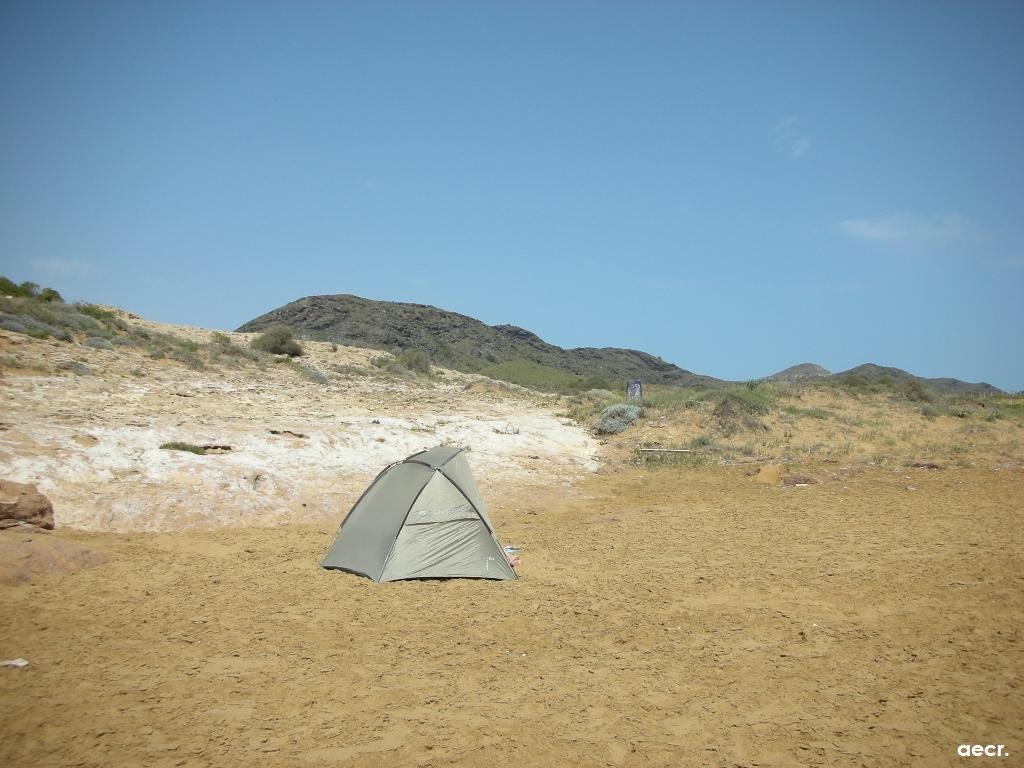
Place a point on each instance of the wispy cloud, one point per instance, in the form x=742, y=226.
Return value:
x=57, y=267
x=910, y=228
x=791, y=138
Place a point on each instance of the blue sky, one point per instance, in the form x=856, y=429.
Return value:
x=736, y=187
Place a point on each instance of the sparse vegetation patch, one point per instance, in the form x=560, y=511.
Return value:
x=186, y=447
x=278, y=340
x=616, y=418
x=415, y=360
x=310, y=372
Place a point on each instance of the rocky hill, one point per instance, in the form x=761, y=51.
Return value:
x=797, y=374
x=873, y=372
x=460, y=342
x=467, y=344
x=869, y=373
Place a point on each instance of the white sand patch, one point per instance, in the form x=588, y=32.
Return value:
x=91, y=443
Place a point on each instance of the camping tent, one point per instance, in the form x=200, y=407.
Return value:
x=422, y=518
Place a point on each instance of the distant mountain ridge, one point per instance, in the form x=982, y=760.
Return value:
x=459, y=341
x=873, y=372
x=800, y=373
x=465, y=343
x=870, y=372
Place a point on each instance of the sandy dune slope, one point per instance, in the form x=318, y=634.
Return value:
x=92, y=442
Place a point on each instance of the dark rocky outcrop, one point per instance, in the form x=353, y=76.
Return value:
x=873, y=372
x=458, y=341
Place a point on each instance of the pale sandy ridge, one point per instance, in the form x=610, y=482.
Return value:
x=91, y=442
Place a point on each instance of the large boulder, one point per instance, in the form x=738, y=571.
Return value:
x=21, y=503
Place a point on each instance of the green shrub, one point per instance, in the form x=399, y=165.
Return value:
x=187, y=447
x=222, y=345
x=388, y=364
x=855, y=381
x=415, y=360
x=702, y=441
x=811, y=413
x=31, y=326
x=914, y=391
x=26, y=290
x=278, y=341
x=616, y=418
x=96, y=312
x=190, y=357
x=672, y=399
x=744, y=401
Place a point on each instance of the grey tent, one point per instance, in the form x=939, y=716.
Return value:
x=421, y=518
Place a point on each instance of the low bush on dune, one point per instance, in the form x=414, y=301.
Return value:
x=616, y=419
x=222, y=344
x=29, y=326
x=809, y=413
x=186, y=447
x=42, y=314
x=735, y=402
x=278, y=340
x=672, y=399
x=914, y=391
x=388, y=364
x=404, y=363
x=415, y=360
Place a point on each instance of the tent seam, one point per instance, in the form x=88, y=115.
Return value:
x=416, y=498
x=480, y=515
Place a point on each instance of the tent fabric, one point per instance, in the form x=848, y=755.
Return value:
x=457, y=470
x=436, y=457
x=370, y=528
x=452, y=549
x=421, y=518
x=439, y=502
